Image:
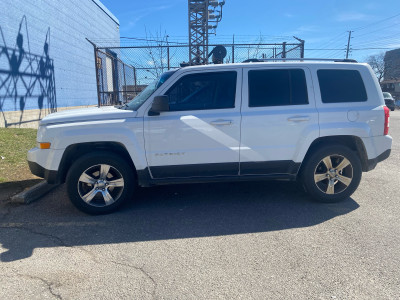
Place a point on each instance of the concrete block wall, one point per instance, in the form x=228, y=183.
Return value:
x=45, y=60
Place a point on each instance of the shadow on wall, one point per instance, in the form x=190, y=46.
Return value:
x=25, y=76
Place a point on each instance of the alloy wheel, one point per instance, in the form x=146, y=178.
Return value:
x=100, y=185
x=333, y=174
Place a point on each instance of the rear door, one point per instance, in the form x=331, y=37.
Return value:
x=278, y=116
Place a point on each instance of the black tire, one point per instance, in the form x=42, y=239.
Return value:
x=336, y=185
x=117, y=183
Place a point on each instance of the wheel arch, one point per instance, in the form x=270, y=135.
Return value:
x=353, y=142
x=74, y=151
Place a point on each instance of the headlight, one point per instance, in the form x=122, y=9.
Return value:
x=41, y=133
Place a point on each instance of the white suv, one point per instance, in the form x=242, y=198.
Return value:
x=323, y=123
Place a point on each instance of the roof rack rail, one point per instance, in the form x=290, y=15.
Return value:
x=251, y=60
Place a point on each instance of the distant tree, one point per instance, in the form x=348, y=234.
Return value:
x=377, y=63
x=153, y=58
x=156, y=57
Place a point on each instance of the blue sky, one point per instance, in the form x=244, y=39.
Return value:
x=322, y=24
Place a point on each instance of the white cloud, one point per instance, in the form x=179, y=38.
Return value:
x=303, y=29
x=137, y=15
x=307, y=28
x=349, y=16
x=371, y=6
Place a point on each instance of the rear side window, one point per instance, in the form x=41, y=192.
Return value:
x=338, y=86
x=211, y=90
x=277, y=87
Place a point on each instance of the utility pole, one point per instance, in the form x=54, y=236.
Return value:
x=348, y=45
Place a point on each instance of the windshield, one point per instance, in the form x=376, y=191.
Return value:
x=148, y=91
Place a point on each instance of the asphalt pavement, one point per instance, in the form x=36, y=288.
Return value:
x=251, y=240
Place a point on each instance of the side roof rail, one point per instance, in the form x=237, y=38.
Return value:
x=252, y=60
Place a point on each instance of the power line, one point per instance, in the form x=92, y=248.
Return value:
x=360, y=49
x=334, y=39
x=380, y=29
x=382, y=40
x=151, y=40
x=363, y=27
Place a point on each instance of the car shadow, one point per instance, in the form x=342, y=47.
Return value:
x=165, y=212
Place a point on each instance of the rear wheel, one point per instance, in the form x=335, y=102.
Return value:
x=100, y=182
x=332, y=173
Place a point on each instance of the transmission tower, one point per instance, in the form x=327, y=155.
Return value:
x=204, y=17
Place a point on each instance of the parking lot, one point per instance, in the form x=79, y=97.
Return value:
x=250, y=240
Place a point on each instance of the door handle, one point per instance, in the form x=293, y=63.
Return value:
x=299, y=119
x=221, y=122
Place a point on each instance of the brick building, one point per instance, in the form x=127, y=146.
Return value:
x=392, y=64
x=391, y=82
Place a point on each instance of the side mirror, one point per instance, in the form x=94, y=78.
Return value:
x=160, y=103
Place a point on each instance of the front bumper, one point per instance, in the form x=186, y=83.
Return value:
x=49, y=175
x=45, y=163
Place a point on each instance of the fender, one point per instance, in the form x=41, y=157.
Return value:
x=128, y=132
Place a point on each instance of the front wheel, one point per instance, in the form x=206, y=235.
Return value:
x=100, y=182
x=332, y=173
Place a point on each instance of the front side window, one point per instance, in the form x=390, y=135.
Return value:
x=138, y=101
x=211, y=90
x=277, y=87
x=338, y=86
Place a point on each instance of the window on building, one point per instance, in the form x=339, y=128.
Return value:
x=277, y=87
x=339, y=86
x=211, y=90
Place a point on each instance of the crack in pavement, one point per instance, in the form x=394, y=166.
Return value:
x=50, y=236
x=55, y=238
x=48, y=284
x=143, y=271
x=7, y=206
x=93, y=257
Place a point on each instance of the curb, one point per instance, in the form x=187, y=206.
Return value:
x=33, y=193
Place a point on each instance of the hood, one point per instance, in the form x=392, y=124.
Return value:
x=87, y=114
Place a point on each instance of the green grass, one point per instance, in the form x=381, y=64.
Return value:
x=14, y=145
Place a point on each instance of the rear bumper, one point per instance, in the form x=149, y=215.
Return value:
x=391, y=106
x=49, y=175
x=373, y=162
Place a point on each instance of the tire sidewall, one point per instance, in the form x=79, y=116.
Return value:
x=315, y=158
x=92, y=159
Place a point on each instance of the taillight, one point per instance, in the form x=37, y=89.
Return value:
x=387, y=115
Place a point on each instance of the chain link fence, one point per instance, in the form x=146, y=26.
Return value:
x=123, y=72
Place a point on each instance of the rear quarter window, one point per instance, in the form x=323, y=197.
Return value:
x=338, y=86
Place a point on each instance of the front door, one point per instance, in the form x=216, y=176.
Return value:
x=200, y=135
